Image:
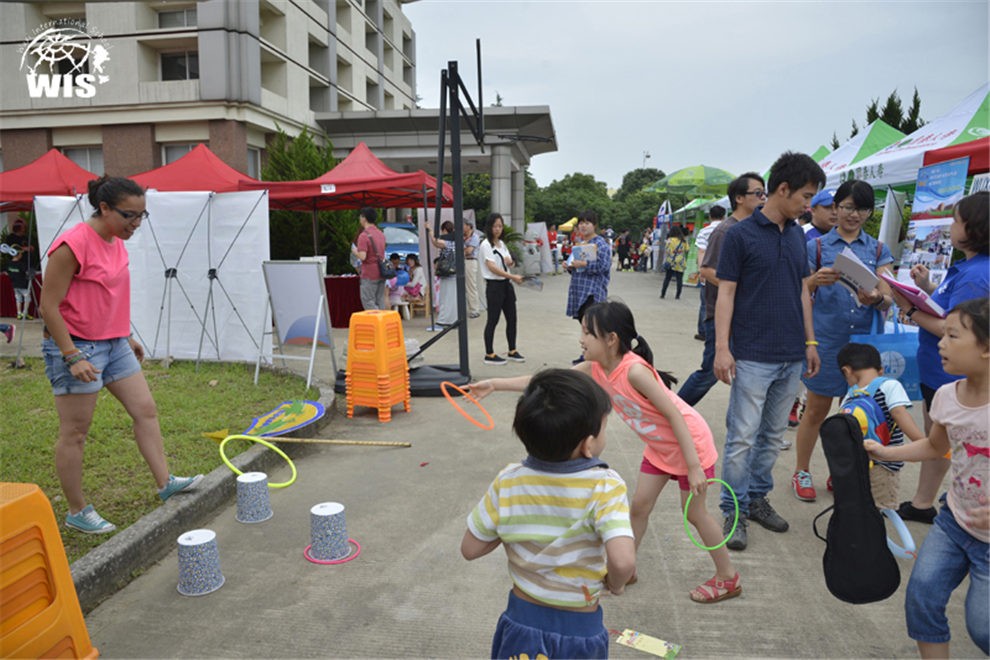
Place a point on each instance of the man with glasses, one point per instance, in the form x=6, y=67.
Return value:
x=746, y=193
x=764, y=307
x=824, y=215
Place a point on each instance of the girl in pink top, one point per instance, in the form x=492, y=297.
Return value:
x=87, y=345
x=679, y=444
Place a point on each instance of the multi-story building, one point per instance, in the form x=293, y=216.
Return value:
x=124, y=87
x=140, y=83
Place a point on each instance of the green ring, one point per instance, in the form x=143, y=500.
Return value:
x=735, y=522
x=254, y=438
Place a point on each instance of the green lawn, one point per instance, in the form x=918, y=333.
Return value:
x=116, y=479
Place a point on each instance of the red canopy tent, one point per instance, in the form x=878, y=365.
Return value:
x=198, y=170
x=977, y=150
x=361, y=179
x=51, y=174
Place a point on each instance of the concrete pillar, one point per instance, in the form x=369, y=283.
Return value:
x=130, y=149
x=24, y=146
x=502, y=181
x=228, y=140
x=519, y=200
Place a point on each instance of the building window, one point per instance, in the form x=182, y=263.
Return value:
x=180, y=66
x=173, y=152
x=88, y=158
x=177, y=19
x=254, y=162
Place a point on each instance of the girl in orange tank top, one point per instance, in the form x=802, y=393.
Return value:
x=679, y=444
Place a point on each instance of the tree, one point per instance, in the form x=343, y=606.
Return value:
x=834, y=142
x=291, y=232
x=562, y=200
x=913, y=120
x=636, y=180
x=892, y=113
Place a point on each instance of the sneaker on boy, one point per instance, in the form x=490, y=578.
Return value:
x=177, y=485
x=89, y=521
x=760, y=511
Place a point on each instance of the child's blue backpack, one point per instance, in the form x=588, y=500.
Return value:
x=864, y=408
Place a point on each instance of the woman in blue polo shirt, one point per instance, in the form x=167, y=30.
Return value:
x=968, y=279
x=838, y=314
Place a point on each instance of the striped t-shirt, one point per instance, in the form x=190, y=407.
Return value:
x=554, y=528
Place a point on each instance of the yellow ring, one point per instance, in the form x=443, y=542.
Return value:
x=254, y=438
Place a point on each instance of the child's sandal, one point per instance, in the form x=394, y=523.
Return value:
x=715, y=590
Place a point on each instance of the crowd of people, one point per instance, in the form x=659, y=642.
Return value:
x=774, y=316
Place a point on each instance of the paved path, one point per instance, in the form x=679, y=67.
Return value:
x=410, y=593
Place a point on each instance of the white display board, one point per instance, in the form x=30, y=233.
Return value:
x=296, y=289
x=197, y=288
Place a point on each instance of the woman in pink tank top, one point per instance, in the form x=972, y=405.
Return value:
x=86, y=306
x=679, y=444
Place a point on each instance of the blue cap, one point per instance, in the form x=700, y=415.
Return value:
x=823, y=198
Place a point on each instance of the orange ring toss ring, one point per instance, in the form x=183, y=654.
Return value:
x=466, y=395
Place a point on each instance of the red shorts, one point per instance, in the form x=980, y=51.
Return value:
x=682, y=480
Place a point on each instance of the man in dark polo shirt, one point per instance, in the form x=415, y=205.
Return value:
x=763, y=334
x=746, y=193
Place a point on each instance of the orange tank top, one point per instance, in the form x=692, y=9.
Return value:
x=639, y=413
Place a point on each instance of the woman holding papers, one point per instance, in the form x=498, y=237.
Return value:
x=966, y=280
x=847, y=297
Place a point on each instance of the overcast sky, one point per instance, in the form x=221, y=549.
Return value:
x=730, y=83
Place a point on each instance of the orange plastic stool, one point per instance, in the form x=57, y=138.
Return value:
x=40, y=615
x=377, y=373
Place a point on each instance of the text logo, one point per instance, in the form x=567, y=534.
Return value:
x=64, y=58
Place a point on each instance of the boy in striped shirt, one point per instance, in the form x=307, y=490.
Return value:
x=563, y=517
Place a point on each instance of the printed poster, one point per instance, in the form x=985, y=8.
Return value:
x=938, y=189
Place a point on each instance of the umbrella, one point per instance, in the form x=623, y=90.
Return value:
x=695, y=180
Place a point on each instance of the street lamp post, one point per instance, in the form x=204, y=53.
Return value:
x=646, y=154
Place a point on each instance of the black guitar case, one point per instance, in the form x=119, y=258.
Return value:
x=859, y=567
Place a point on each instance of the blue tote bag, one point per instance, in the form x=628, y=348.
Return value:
x=898, y=354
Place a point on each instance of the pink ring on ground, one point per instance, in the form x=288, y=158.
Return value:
x=327, y=562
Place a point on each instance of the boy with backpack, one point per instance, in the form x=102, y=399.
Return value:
x=881, y=405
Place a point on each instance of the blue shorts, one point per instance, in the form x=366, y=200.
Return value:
x=113, y=358
x=534, y=630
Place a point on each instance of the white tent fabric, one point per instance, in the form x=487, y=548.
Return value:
x=879, y=133
x=899, y=162
x=192, y=314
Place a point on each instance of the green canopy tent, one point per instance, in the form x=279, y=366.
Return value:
x=864, y=144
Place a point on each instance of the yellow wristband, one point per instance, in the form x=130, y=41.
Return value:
x=811, y=343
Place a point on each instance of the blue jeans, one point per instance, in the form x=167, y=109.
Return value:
x=701, y=309
x=697, y=384
x=760, y=401
x=947, y=555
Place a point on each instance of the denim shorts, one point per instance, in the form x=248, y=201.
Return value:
x=113, y=359
x=537, y=630
x=947, y=555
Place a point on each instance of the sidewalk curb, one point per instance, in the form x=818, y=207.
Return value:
x=108, y=568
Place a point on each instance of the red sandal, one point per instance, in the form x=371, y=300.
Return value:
x=715, y=590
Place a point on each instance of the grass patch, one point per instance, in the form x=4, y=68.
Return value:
x=116, y=479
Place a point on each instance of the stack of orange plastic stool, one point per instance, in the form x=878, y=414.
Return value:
x=377, y=373
x=39, y=610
